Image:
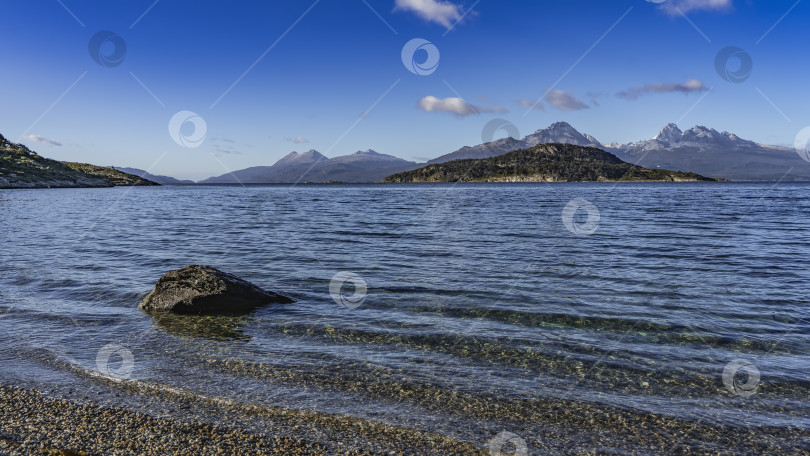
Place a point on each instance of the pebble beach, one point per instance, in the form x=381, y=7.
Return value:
x=33, y=424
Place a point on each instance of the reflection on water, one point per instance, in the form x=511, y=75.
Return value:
x=213, y=327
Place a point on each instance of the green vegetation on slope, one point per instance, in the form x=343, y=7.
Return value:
x=544, y=163
x=111, y=175
x=20, y=167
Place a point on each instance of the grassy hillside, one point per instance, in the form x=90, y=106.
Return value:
x=20, y=167
x=544, y=163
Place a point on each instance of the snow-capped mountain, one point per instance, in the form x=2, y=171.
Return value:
x=708, y=152
x=671, y=137
x=307, y=158
x=560, y=132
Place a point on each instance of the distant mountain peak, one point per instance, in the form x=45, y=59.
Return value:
x=557, y=125
x=367, y=152
x=562, y=133
x=294, y=158
x=670, y=133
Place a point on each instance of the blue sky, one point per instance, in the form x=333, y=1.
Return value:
x=271, y=77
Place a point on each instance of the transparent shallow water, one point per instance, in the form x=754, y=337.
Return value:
x=478, y=297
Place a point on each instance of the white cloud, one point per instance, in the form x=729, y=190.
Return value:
x=298, y=140
x=677, y=6
x=531, y=104
x=454, y=105
x=444, y=13
x=40, y=139
x=564, y=101
x=690, y=86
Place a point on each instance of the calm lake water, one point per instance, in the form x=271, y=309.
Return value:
x=478, y=297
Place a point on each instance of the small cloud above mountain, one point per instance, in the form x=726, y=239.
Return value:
x=297, y=140
x=454, y=105
x=690, y=86
x=564, y=101
x=40, y=139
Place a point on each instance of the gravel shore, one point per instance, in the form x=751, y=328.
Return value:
x=33, y=424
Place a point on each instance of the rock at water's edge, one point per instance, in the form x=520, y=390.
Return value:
x=205, y=290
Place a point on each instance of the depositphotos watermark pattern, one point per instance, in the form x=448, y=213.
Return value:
x=196, y=138
x=409, y=56
x=354, y=300
x=105, y=355
x=580, y=229
x=107, y=48
x=499, y=445
x=802, y=144
x=735, y=371
x=495, y=125
x=724, y=64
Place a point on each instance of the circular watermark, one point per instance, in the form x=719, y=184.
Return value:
x=353, y=300
x=107, y=48
x=409, y=56
x=585, y=228
x=724, y=64
x=193, y=139
x=107, y=352
x=501, y=443
x=495, y=125
x=737, y=370
x=802, y=144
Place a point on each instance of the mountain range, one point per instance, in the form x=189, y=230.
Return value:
x=699, y=150
x=312, y=166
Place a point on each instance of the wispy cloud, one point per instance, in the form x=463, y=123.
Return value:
x=564, y=101
x=297, y=140
x=531, y=104
x=690, y=86
x=455, y=106
x=224, y=150
x=676, y=7
x=441, y=12
x=594, y=97
x=40, y=139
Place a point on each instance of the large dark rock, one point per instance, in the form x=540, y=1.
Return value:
x=204, y=290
